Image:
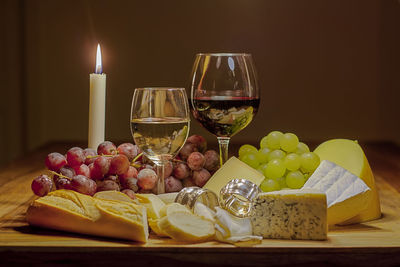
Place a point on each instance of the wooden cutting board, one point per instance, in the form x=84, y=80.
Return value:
x=367, y=244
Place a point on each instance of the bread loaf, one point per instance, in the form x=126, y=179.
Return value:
x=71, y=211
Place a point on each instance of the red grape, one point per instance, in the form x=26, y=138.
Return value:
x=107, y=185
x=106, y=148
x=75, y=156
x=201, y=177
x=188, y=182
x=181, y=170
x=89, y=155
x=113, y=178
x=168, y=168
x=147, y=179
x=67, y=171
x=131, y=172
x=83, y=185
x=211, y=160
x=55, y=161
x=172, y=184
x=95, y=172
x=83, y=170
x=131, y=183
x=196, y=161
x=119, y=164
x=129, y=150
x=129, y=193
x=102, y=164
x=145, y=166
x=42, y=185
x=186, y=150
x=62, y=183
x=198, y=141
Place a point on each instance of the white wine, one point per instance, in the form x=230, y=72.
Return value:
x=160, y=138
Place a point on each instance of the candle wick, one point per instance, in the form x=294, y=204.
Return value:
x=99, y=69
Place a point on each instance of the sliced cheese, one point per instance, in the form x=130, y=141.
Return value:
x=290, y=214
x=187, y=227
x=166, y=210
x=204, y=212
x=346, y=194
x=232, y=169
x=152, y=203
x=349, y=155
x=71, y=211
x=168, y=197
x=114, y=195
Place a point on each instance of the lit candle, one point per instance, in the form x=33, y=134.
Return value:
x=97, y=104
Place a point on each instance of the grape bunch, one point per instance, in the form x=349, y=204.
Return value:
x=125, y=169
x=282, y=159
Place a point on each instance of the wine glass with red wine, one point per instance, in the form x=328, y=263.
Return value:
x=224, y=95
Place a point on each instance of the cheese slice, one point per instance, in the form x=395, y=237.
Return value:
x=349, y=155
x=233, y=169
x=152, y=203
x=168, y=197
x=186, y=227
x=346, y=194
x=290, y=214
x=166, y=210
x=204, y=212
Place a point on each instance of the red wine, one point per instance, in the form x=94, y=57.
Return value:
x=224, y=116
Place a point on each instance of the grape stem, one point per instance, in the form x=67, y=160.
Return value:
x=135, y=159
x=96, y=156
x=59, y=174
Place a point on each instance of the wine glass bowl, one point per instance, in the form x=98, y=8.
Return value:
x=160, y=124
x=224, y=94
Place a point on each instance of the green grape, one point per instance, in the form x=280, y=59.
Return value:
x=244, y=149
x=309, y=161
x=302, y=148
x=292, y=162
x=282, y=182
x=269, y=185
x=272, y=140
x=289, y=142
x=275, y=169
x=262, y=167
x=251, y=160
x=276, y=154
x=295, y=180
x=262, y=154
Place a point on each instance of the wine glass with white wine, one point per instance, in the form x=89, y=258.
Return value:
x=224, y=95
x=160, y=125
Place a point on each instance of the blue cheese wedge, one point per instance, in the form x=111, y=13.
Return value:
x=347, y=195
x=290, y=214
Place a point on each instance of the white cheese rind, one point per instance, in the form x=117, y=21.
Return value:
x=347, y=195
x=290, y=214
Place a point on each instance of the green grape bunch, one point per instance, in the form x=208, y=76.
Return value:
x=285, y=162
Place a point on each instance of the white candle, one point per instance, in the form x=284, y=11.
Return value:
x=97, y=104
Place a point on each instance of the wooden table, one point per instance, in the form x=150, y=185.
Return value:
x=369, y=244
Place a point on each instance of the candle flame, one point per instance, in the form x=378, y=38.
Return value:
x=99, y=67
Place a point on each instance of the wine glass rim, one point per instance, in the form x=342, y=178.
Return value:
x=224, y=54
x=160, y=88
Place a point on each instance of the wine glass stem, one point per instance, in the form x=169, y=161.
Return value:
x=223, y=149
x=160, y=181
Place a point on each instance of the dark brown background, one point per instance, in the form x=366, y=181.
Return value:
x=326, y=68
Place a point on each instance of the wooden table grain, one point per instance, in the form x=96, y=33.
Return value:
x=373, y=243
